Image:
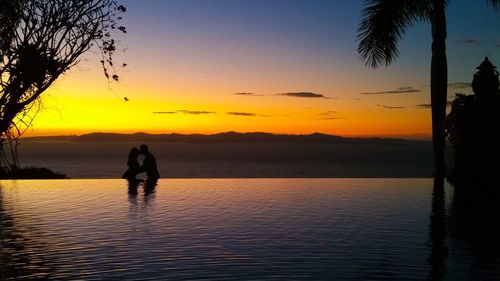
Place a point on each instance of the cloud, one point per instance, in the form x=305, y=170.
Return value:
x=242, y=113
x=470, y=41
x=424, y=105
x=390, y=107
x=251, y=114
x=164, y=112
x=290, y=94
x=460, y=85
x=195, y=112
x=428, y=105
x=329, y=112
x=402, y=90
x=247, y=114
x=185, y=111
x=331, y=118
x=303, y=95
x=456, y=85
x=247, y=94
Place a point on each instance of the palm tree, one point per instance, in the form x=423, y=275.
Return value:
x=382, y=26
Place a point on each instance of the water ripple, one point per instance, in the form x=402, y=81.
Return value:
x=206, y=229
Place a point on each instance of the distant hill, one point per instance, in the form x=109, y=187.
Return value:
x=51, y=138
x=227, y=137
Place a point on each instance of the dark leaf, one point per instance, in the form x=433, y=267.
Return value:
x=382, y=26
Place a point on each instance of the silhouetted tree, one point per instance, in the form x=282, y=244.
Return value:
x=382, y=26
x=9, y=16
x=40, y=40
x=473, y=128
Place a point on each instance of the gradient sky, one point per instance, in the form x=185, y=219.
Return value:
x=280, y=66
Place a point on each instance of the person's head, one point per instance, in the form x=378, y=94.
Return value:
x=144, y=149
x=134, y=152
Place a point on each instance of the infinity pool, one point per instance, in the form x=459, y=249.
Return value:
x=229, y=229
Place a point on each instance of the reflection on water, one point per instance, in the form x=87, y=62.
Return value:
x=239, y=229
x=437, y=232
x=148, y=187
x=19, y=249
x=474, y=221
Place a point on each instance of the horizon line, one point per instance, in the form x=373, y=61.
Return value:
x=413, y=136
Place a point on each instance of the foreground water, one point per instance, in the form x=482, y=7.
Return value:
x=232, y=229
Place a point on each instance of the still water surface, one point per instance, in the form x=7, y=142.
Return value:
x=228, y=229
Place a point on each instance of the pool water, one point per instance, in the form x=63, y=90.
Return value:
x=231, y=229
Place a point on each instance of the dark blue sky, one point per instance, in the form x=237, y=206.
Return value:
x=322, y=26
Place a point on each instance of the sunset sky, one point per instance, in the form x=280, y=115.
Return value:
x=279, y=66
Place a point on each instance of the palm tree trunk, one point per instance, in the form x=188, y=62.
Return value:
x=439, y=85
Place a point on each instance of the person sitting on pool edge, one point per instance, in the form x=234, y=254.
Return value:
x=149, y=165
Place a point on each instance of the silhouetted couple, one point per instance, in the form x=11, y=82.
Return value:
x=148, y=165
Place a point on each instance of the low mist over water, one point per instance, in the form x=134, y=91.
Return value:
x=236, y=160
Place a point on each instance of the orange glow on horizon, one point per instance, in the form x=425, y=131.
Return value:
x=73, y=107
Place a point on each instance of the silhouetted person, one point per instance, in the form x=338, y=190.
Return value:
x=149, y=166
x=133, y=165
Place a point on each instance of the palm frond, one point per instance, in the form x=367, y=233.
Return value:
x=382, y=26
